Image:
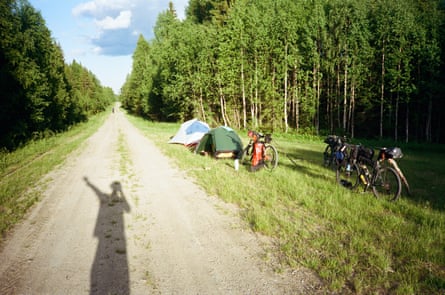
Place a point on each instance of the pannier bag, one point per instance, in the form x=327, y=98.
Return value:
x=353, y=154
x=365, y=153
x=258, y=154
x=332, y=140
x=394, y=153
x=267, y=138
x=339, y=156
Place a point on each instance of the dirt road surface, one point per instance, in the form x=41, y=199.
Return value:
x=118, y=218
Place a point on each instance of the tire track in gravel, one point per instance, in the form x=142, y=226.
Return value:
x=119, y=218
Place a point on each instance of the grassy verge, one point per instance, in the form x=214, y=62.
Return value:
x=356, y=243
x=22, y=169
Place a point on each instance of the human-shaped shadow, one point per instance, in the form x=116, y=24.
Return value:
x=109, y=272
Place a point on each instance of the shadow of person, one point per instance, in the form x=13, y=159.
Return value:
x=109, y=272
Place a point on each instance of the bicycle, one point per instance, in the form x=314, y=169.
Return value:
x=358, y=169
x=331, y=152
x=259, y=152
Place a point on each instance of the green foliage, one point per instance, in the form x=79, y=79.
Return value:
x=86, y=91
x=328, y=66
x=40, y=93
x=136, y=92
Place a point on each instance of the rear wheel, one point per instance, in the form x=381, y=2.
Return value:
x=387, y=184
x=328, y=156
x=347, y=177
x=271, y=157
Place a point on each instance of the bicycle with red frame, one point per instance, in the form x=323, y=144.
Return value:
x=259, y=152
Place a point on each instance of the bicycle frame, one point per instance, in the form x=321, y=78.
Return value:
x=359, y=170
x=270, y=155
x=394, y=164
x=334, y=144
x=375, y=168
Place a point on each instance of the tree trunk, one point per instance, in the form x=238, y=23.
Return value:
x=337, y=98
x=286, y=125
x=254, y=106
x=330, y=106
x=274, y=74
x=382, y=93
x=428, y=135
x=345, y=98
x=352, y=110
x=407, y=123
x=396, y=115
x=296, y=100
x=201, y=103
x=316, y=89
x=243, y=90
x=222, y=103
x=318, y=99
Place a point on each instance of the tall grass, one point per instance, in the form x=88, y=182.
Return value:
x=22, y=170
x=355, y=242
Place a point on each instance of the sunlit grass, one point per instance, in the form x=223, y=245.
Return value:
x=24, y=168
x=352, y=240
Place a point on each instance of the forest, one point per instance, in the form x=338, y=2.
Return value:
x=361, y=68
x=40, y=94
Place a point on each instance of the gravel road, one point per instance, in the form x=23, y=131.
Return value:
x=118, y=218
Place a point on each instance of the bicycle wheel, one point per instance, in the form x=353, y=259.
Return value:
x=395, y=166
x=387, y=184
x=328, y=156
x=405, y=182
x=271, y=157
x=348, y=177
x=246, y=156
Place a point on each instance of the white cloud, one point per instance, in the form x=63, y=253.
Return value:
x=100, y=8
x=122, y=21
x=118, y=23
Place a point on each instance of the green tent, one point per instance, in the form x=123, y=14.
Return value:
x=220, y=142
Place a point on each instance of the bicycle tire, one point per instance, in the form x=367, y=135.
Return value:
x=387, y=184
x=246, y=156
x=271, y=157
x=328, y=156
x=396, y=167
x=405, y=182
x=347, y=179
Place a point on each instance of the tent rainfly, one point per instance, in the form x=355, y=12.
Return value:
x=220, y=142
x=190, y=132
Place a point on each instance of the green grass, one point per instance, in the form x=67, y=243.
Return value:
x=355, y=242
x=22, y=170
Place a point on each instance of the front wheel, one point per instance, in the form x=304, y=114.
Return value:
x=271, y=157
x=387, y=184
x=347, y=175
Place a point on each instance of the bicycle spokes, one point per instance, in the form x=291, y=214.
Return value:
x=347, y=176
x=387, y=184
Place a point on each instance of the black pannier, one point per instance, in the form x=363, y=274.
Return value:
x=393, y=153
x=365, y=153
x=333, y=140
x=268, y=138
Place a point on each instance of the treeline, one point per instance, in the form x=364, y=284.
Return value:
x=367, y=68
x=40, y=93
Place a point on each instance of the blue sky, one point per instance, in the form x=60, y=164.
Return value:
x=102, y=34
